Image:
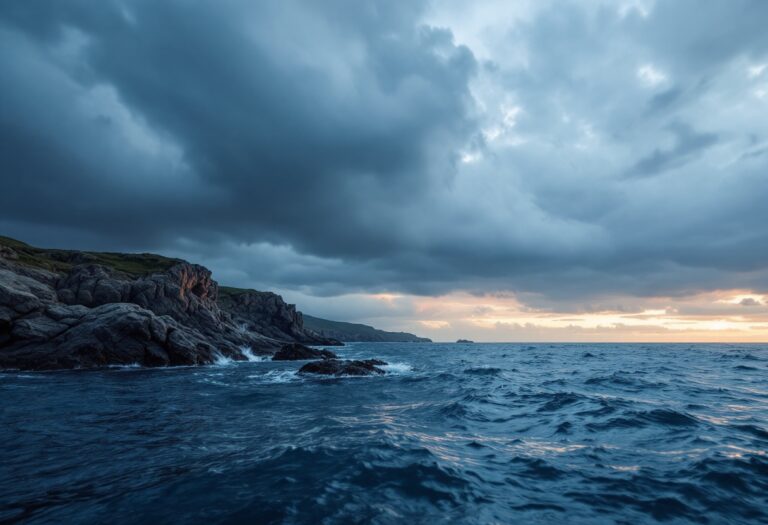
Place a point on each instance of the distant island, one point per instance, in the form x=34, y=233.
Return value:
x=76, y=309
x=464, y=341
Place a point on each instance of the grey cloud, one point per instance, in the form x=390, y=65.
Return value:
x=318, y=147
x=665, y=99
x=283, y=111
x=754, y=153
x=687, y=144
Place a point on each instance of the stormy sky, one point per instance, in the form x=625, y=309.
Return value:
x=502, y=170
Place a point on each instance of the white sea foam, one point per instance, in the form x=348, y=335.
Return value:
x=222, y=360
x=128, y=366
x=251, y=357
x=397, y=368
x=277, y=376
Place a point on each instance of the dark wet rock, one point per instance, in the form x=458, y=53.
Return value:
x=66, y=313
x=338, y=367
x=112, y=334
x=298, y=352
x=267, y=314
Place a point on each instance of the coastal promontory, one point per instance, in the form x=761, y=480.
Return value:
x=72, y=309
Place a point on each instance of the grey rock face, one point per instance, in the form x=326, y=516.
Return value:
x=111, y=334
x=186, y=292
x=23, y=294
x=268, y=314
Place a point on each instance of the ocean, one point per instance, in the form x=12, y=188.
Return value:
x=454, y=433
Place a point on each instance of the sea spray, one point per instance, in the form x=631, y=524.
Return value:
x=251, y=357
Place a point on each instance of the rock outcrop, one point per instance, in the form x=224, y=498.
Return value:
x=299, y=352
x=186, y=292
x=267, y=314
x=56, y=313
x=338, y=367
x=111, y=334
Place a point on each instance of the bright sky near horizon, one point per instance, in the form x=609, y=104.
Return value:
x=494, y=170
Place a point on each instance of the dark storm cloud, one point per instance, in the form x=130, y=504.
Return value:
x=288, y=116
x=344, y=146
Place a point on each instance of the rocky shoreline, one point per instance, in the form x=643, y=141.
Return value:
x=64, y=309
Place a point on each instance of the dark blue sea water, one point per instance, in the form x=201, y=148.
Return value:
x=502, y=433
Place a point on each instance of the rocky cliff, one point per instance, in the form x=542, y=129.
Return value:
x=267, y=314
x=63, y=309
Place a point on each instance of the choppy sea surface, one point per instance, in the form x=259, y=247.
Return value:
x=483, y=433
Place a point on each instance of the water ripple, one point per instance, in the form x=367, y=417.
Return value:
x=452, y=434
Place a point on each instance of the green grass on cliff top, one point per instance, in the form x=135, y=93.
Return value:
x=231, y=291
x=54, y=260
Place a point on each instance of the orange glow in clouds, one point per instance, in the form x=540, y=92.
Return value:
x=722, y=316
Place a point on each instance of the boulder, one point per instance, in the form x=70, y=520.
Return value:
x=338, y=367
x=23, y=294
x=298, y=352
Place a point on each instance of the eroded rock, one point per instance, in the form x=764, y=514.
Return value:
x=268, y=314
x=111, y=334
x=185, y=292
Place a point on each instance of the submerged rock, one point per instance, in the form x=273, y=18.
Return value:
x=298, y=352
x=338, y=367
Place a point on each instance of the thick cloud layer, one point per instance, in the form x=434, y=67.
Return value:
x=563, y=151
